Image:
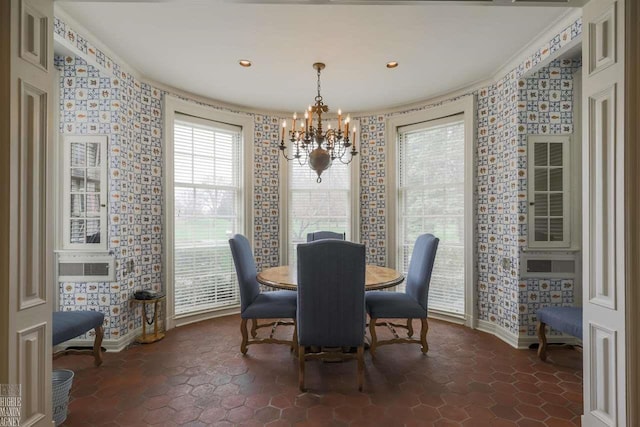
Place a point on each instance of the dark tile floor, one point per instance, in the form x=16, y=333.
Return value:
x=196, y=376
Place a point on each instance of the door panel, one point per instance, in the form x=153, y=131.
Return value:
x=26, y=250
x=603, y=214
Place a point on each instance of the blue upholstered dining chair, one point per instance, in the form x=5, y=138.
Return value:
x=411, y=304
x=256, y=305
x=331, y=312
x=320, y=235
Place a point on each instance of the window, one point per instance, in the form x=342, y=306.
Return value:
x=207, y=211
x=548, y=185
x=431, y=199
x=313, y=206
x=85, y=193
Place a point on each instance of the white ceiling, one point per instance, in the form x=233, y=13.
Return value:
x=195, y=46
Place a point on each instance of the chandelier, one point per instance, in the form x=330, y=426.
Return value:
x=311, y=145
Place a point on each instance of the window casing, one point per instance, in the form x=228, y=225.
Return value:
x=84, y=194
x=431, y=199
x=313, y=206
x=207, y=210
x=549, y=183
x=331, y=205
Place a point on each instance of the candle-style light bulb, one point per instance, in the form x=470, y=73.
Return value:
x=294, y=121
x=284, y=126
x=339, y=119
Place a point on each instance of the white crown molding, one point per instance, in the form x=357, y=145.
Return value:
x=566, y=19
x=518, y=58
x=67, y=48
x=438, y=99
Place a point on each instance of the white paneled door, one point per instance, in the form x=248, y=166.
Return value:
x=603, y=214
x=26, y=85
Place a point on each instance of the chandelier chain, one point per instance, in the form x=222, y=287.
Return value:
x=319, y=97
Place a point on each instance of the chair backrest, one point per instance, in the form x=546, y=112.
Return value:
x=245, y=269
x=331, y=308
x=320, y=235
x=420, y=268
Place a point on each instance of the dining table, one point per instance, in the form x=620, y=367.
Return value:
x=285, y=277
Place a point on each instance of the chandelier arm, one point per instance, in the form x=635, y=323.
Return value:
x=348, y=161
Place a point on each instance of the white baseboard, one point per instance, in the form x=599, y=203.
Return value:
x=199, y=317
x=522, y=341
x=111, y=345
x=446, y=317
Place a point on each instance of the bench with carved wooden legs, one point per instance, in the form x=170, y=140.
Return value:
x=70, y=324
x=563, y=319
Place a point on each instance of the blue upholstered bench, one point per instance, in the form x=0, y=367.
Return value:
x=70, y=324
x=563, y=319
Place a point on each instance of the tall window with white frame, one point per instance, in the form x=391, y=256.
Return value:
x=313, y=206
x=207, y=188
x=431, y=199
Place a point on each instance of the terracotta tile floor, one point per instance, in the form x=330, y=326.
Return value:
x=196, y=376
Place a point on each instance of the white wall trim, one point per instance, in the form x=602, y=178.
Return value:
x=553, y=29
x=466, y=106
x=566, y=19
x=500, y=332
x=65, y=47
x=183, y=321
x=111, y=345
x=173, y=105
x=522, y=342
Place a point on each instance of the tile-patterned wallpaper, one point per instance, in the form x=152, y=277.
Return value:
x=545, y=106
x=99, y=97
x=129, y=112
x=134, y=126
x=500, y=167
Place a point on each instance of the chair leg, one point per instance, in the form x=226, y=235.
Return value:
x=542, y=338
x=423, y=335
x=97, y=345
x=254, y=327
x=360, y=367
x=294, y=342
x=374, y=338
x=410, y=327
x=245, y=336
x=301, y=368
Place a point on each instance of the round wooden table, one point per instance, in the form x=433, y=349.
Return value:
x=285, y=277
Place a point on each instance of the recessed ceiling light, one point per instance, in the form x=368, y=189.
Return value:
x=392, y=64
x=245, y=63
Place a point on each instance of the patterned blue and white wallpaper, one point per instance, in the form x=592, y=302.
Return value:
x=115, y=104
x=104, y=99
x=545, y=106
x=503, y=299
x=100, y=97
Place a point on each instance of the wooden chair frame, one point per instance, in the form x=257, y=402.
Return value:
x=96, y=351
x=333, y=355
x=375, y=343
x=254, y=332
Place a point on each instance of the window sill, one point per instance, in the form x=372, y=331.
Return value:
x=87, y=252
x=552, y=249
